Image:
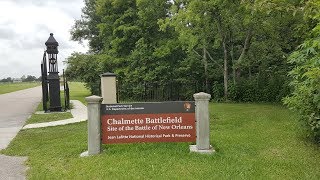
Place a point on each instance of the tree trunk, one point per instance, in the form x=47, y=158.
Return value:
x=205, y=63
x=225, y=68
x=233, y=64
x=245, y=49
x=225, y=58
x=232, y=55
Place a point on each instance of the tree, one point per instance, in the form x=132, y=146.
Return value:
x=305, y=75
x=237, y=49
x=87, y=68
x=192, y=21
x=29, y=78
x=231, y=27
x=23, y=77
x=130, y=38
x=8, y=79
x=86, y=27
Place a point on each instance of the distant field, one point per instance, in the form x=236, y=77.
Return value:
x=11, y=87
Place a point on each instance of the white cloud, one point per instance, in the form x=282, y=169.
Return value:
x=25, y=26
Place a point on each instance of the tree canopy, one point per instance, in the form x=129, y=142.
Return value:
x=305, y=74
x=236, y=50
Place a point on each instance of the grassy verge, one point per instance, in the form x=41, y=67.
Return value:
x=77, y=92
x=40, y=118
x=40, y=106
x=252, y=142
x=11, y=87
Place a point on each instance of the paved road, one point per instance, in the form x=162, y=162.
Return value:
x=15, y=108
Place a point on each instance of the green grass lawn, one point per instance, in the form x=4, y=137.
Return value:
x=11, y=87
x=53, y=116
x=40, y=118
x=77, y=92
x=252, y=142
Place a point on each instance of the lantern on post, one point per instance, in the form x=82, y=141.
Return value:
x=53, y=77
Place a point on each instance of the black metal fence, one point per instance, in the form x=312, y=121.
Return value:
x=44, y=82
x=66, y=92
x=156, y=92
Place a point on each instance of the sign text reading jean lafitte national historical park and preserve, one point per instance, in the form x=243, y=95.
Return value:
x=148, y=122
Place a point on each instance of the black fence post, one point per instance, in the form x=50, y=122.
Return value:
x=44, y=95
x=45, y=75
x=117, y=90
x=145, y=91
x=67, y=95
x=64, y=90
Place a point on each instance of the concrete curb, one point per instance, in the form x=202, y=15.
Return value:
x=79, y=113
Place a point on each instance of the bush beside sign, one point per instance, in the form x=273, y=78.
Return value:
x=148, y=122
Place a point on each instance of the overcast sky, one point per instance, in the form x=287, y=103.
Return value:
x=25, y=25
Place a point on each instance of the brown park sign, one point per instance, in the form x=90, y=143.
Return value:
x=148, y=122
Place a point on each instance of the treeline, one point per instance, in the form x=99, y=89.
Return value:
x=24, y=78
x=236, y=50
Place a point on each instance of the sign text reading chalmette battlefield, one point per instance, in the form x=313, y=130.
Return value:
x=148, y=122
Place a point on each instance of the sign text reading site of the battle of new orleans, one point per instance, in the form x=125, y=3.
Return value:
x=148, y=122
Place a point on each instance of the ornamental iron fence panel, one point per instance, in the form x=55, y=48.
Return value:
x=157, y=91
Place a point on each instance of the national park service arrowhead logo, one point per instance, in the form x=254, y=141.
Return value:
x=187, y=106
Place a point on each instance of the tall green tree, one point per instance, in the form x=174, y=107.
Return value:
x=86, y=28
x=204, y=27
x=305, y=75
x=128, y=32
x=192, y=21
x=238, y=49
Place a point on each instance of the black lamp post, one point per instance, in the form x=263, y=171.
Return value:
x=53, y=77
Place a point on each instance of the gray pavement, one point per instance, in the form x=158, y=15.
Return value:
x=15, y=108
x=12, y=167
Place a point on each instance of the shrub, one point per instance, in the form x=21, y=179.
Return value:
x=305, y=98
x=260, y=88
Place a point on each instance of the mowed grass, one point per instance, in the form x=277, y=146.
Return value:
x=40, y=118
x=11, y=87
x=77, y=92
x=251, y=141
